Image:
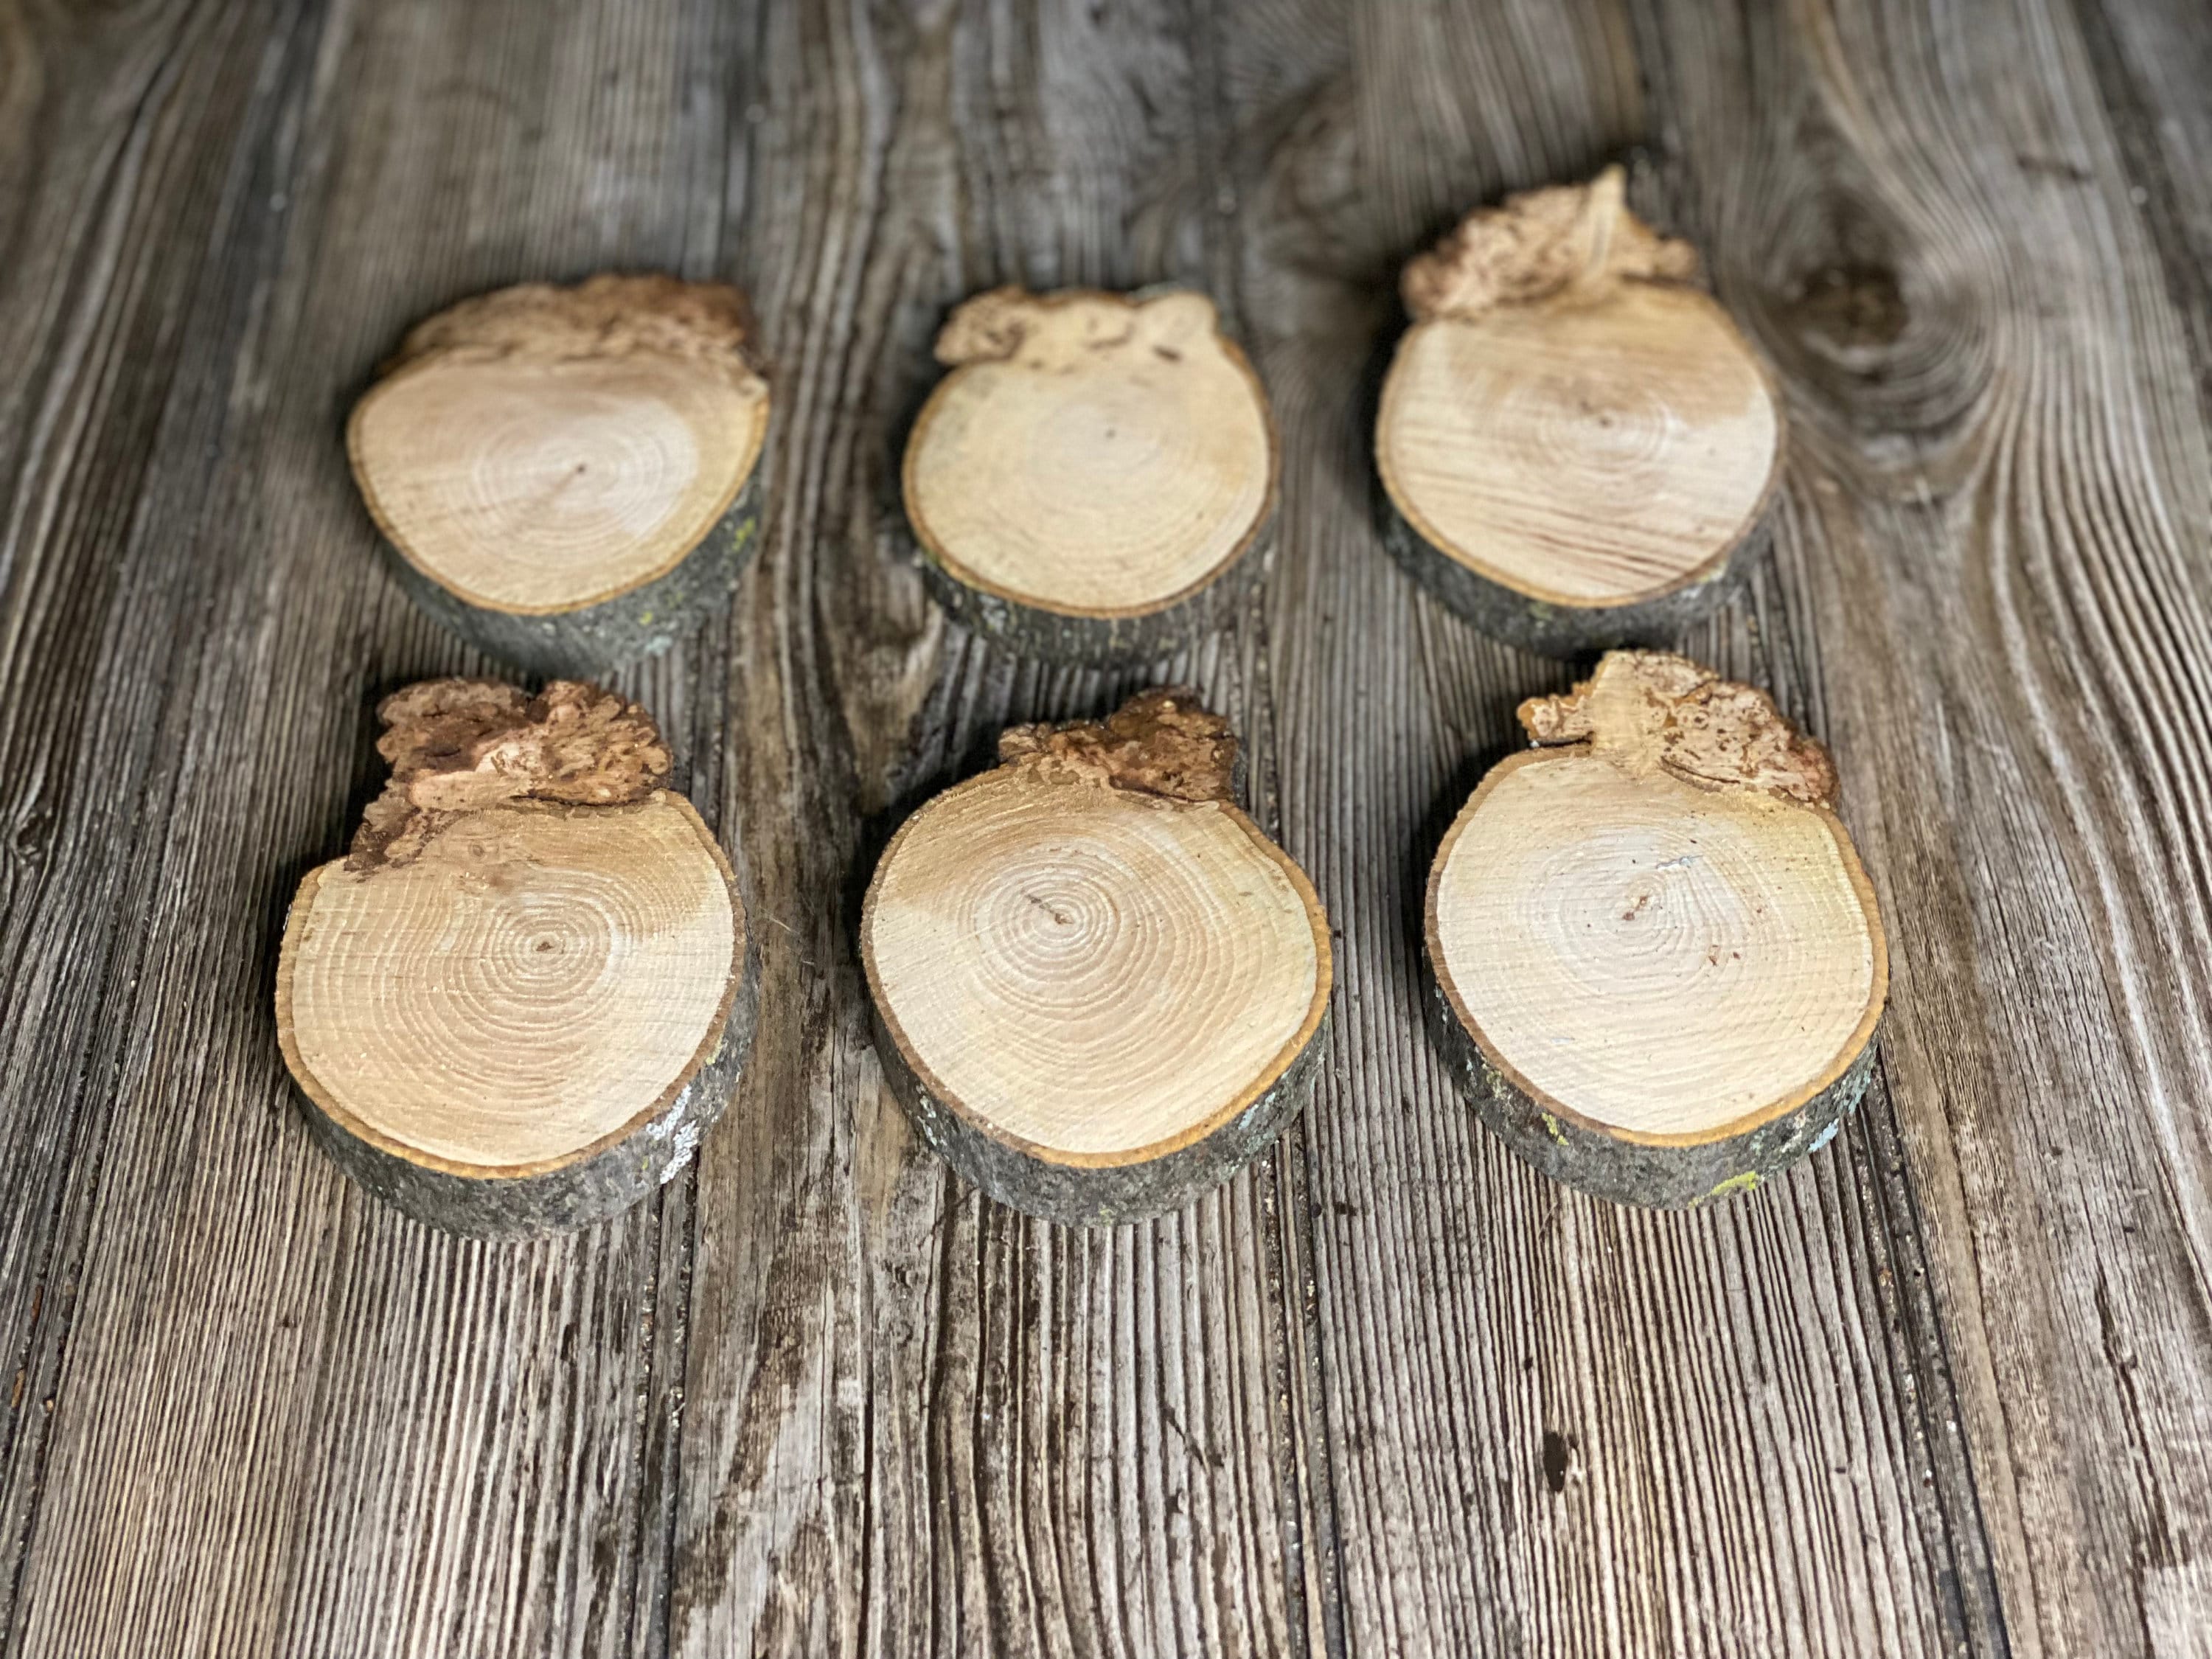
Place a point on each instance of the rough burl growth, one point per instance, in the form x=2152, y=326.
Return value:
x=1540, y=243
x=1160, y=743
x=1651, y=708
x=460, y=745
x=605, y=317
x=1012, y=325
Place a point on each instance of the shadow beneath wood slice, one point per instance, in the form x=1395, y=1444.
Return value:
x=1373, y=373
x=906, y=406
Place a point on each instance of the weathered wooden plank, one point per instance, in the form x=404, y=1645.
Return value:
x=285, y=1419
x=917, y=1423
x=2152, y=61
x=1552, y=1425
x=1388, y=1392
x=105, y=171
x=1927, y=213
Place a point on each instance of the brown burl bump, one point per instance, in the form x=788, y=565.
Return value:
x=1650, y=706
x=1537, y=245
x=993, y=327
x=460, y=746
x=1162, y=743
x=601, y=319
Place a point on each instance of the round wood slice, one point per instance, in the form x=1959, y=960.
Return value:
x=519, y=1001
x=1657, y=962
x=1099, y=988
x=1092, y=482
x=567, y=478
x=1578, y=448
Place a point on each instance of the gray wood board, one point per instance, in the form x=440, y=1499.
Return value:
x=1947, y=1388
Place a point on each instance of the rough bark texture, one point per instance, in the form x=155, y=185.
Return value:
x=588, y=1190
x=597, y=639
x=1566, y=630
x=1633, y=1172
x=1101, y=1195
x=1108, y=643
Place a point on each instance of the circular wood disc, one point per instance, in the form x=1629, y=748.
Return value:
x=544, y=461
x=1098, y=998
x=1583, y=455
x=535, y=487
x=508, y=1032
x=1668, y=974
x=1092, y=465
x=1592, y=455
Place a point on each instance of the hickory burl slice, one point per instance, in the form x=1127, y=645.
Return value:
x=518, y=1003
x=568, y=477
x=1100, y=988
x=1578, y=448
x=1093, y=480
x=1658, y=964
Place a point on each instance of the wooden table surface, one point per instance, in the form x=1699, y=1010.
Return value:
x=1946, y=1389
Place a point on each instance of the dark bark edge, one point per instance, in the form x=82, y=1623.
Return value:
x=594, y=639
x=1057, y=636
x=1093, y=1195
x=590, y=1189
x=1564, y=630
x=1628, y=1171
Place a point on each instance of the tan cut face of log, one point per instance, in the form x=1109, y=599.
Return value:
x=539, y=450
x=520, y=991
x=1097, y=979
x=1653, y=925
x=1089, y=454
x=1570, y=417
x=499, y=1005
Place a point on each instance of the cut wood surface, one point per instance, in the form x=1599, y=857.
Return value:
x=567, y=471
x=1941, y=1389
x=518, y=1003
x=1657, y=958
x=1579, y=447
x=1090, y=481
x=1100, y=988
